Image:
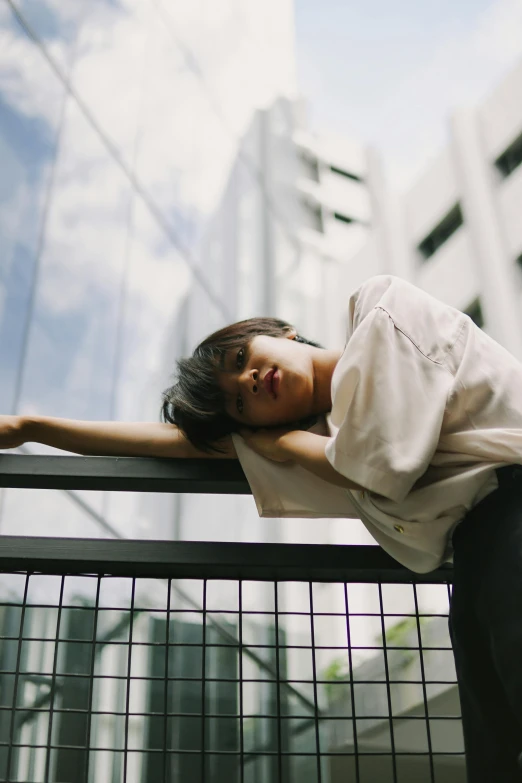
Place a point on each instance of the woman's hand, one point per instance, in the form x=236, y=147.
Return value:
x=270, y=443
x=11, y=432
x=305, y=448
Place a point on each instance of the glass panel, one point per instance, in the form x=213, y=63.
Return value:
x=71, y=352
x=31, y=101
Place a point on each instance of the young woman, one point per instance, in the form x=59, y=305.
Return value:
x=422, y=441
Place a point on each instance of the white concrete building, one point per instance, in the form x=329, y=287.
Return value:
x=296, y=207
x=457, y=233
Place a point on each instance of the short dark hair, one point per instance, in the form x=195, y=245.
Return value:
x=195, y=403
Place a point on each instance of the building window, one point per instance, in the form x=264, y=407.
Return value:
x=313, y=216
x=344, y=173
x=475, y=313
x=343, y=218
x=309, y=167
x=511, y=158
x=442, y=232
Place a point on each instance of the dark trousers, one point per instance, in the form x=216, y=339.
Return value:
x=486, y=631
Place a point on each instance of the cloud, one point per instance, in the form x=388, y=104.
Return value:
x=25, y=81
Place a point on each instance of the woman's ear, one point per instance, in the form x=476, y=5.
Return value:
x=291, y=334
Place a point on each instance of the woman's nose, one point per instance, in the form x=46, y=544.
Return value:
x=251, y=381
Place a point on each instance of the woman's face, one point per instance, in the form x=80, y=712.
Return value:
x=268, y=382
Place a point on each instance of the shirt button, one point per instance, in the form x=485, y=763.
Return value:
x=398, y=528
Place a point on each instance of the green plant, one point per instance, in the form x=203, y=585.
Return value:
x=338, y=670
x=398, y=636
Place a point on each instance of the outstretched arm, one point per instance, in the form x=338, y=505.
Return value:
x=305, y=448
x=105, y=438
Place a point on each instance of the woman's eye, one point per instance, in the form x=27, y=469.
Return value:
x=239, y=404
x=240, y=357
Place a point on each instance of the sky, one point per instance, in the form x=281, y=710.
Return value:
x=390, y=74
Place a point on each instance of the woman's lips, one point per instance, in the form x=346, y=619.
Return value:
x=275, y=382
x=271, y=382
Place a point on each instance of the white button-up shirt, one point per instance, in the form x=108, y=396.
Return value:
x=425, y=406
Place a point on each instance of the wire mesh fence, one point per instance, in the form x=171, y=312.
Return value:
x=107, y=678
x=135, y=661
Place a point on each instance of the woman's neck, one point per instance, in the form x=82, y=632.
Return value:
x=324, y=363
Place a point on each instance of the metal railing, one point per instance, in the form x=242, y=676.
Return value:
x=174, y=660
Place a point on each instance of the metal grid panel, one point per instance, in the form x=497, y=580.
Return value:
x=108, y=678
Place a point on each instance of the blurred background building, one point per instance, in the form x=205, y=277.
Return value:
x=160, y=178
x=457, y=232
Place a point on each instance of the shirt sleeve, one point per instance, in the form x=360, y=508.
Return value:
x=389, y=401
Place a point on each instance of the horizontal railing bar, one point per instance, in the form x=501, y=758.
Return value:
x=234, y=715
x=62, y=676
x=178, y=611
x=208, y=560
x=123, y=474
x=215, y=645
x=233, y=753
